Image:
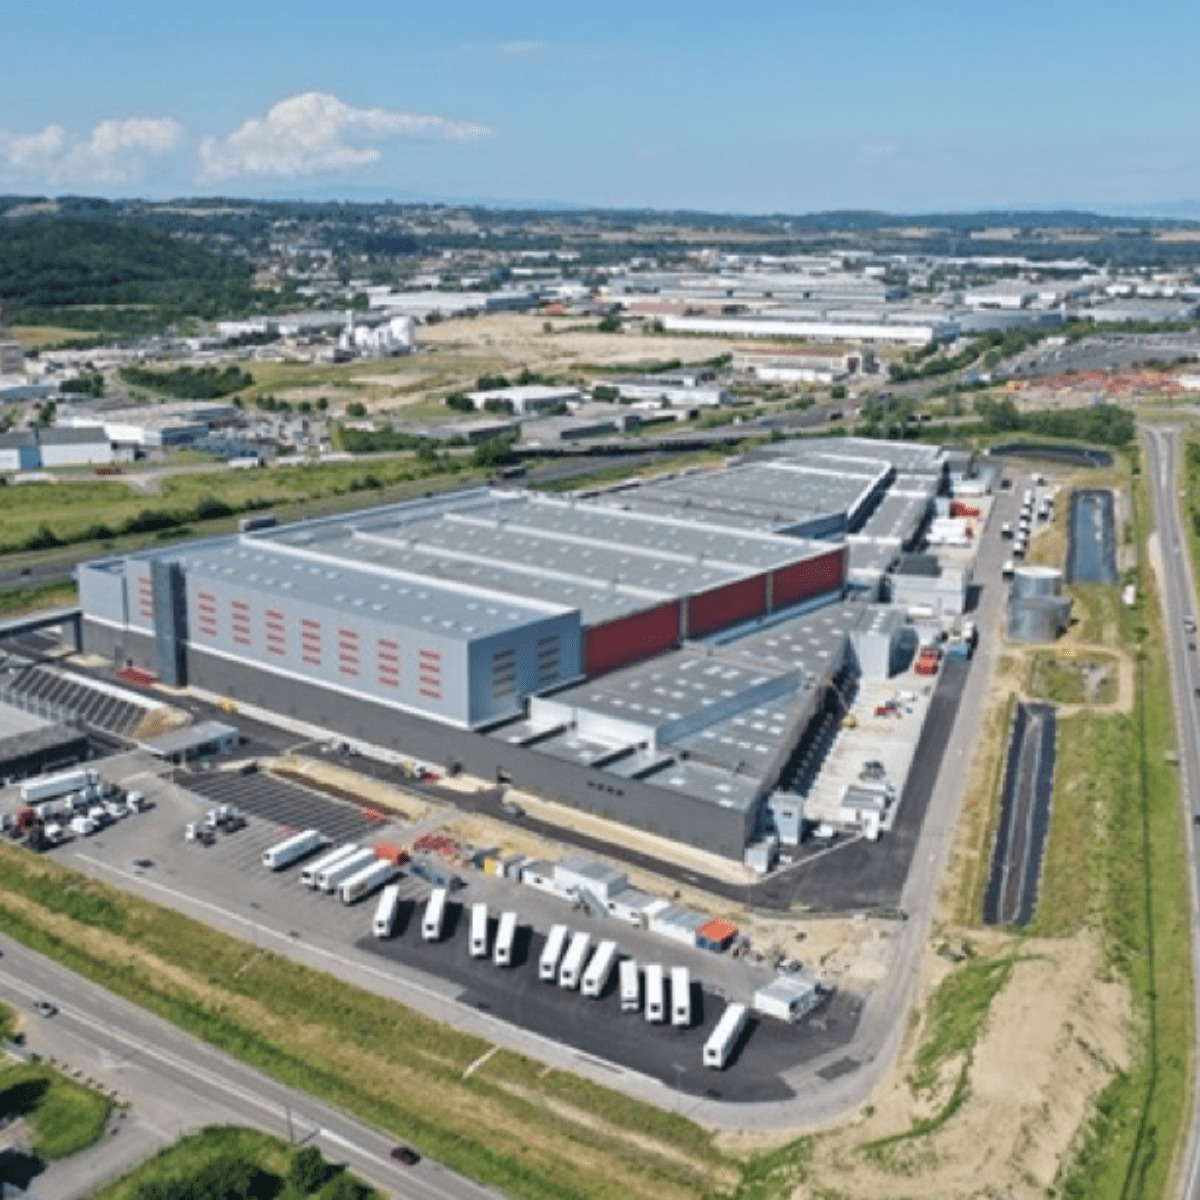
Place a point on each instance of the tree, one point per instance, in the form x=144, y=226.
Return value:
x=460, y=402
x=345, y=1187
x=308, y=1170
x=356, y=408
x=837, y=392
x=322, y=404
x=605, y=392
x=610, y=324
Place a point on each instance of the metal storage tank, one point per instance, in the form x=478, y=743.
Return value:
x=1034, y=581
x=1037, y=618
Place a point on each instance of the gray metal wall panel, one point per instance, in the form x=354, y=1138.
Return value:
x=102, y=593
x=658, y=810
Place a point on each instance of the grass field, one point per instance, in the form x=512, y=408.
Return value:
x=1082, y=679
x=34, y=337
x=513, y=1124
x=8, y=1021
x=17, y=601
x=179, y=1165
x=64, y=1116
x=1115, y=859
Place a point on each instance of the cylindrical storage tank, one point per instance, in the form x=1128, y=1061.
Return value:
x=1033, y=581
x=1037, y=618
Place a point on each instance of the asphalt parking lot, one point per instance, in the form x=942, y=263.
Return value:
x=286, y=804
x=597, y=1028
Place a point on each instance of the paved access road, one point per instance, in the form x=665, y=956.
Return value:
x=178, y=1083
x=1178, y=601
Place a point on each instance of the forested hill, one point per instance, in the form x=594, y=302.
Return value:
x=55, y=262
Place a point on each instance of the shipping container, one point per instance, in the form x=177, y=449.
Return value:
x=435, y=915
x=292, y=849
x=552, y=953
x=571, y=971
x=724, y=1036
x=367, y=880
x=600, y=969
x=479, y=930
x=310, y=871
x=655, y=1000
x=681, y=997
x=386, y=910
x=506, y=935
x=331, y=878
x=631, y=986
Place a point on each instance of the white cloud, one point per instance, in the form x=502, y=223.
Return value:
x=315, y=133
x=114, y=152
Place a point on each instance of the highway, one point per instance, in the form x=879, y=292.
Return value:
x=1178, y=600
x=179, y=1084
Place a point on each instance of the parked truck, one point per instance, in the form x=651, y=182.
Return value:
x=479, y=930
x=83, y=826
x=655, y=989
x=435, y=916
x=724, y=1036
x=384, y=921
x=552, y=953
x=681, y=997
x=600, y=969
x=331, y=878
x=571, y=970
x=367, y=880
x=47, y=787
x=631, y=986
x=310, y=871
x=506, y=936
x=293, y=849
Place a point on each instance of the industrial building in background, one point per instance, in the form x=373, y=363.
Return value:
x=654, y=653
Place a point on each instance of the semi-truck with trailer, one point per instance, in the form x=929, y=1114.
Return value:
x=655, y=998
x=329, y=879
x=631, y=986
x=725, y=1036
x=367, y=880
x=435, y=915
x=599, y=970
x=681, y=997
x=573, y=962
x=506, y=936
x=552, y=952
x=292, y=849
x=310, y=871
x=384, y=921
x=48, y=787
x=479, y=930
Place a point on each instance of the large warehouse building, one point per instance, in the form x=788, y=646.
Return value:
x=606, y=651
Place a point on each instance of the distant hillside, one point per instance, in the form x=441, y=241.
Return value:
x=50, y=261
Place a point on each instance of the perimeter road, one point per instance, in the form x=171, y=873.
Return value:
x=1178, y=600
x=151, y=1061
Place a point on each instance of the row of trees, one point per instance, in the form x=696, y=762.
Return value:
x=231, y=1178
x=190, y=383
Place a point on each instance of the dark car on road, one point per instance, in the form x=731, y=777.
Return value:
x=406, y=1155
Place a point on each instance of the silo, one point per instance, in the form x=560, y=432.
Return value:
x=1031, y=581
x=1037, y=618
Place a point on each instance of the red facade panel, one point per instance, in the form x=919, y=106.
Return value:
x=630, y=639
x=726, y=605
x=809, y=578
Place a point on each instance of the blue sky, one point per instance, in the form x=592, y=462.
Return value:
x=756, y=107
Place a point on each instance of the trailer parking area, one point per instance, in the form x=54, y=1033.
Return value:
x=285, y=804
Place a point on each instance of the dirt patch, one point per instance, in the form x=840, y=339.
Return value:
x=1056, y=1034
x=342, y=784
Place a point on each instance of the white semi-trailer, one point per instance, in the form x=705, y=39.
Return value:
x=479, y=930
x=552, y=953
x=600, y=969
x=367, y=880
x=435, y=915
x=631, y=986
x=571, y=970
x=506, y=935
x=655, y=999
x=724, y=1036
x=292, y=849
x=681, y=997
x=384, y=921
x=47, y=787
x=310, y=871
x=332, y=878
